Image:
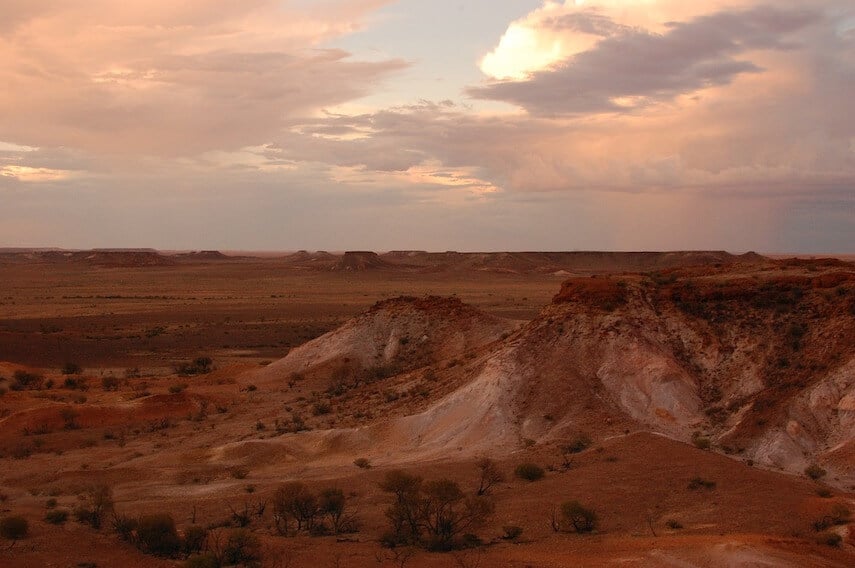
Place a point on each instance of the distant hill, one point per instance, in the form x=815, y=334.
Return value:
x=362, y=260
x=413, y=261
x=95, y=257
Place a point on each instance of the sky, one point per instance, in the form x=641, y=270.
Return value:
x=441, y=125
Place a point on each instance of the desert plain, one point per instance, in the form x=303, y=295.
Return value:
x=698, y=408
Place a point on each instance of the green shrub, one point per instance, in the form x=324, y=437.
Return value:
x=24, y=380
x=321, y=407
x=199, y=366
x=701, y=483
x=673, y=524
x=177, y=388
x=56, y=516
x=815, y=472
x=840, y=514
x=829, y=539
x=98, y=501
x=110, y=383
x=14, y=528
x=362, y=463
x=75, y=383
x=579, y=517
x=124, y=527
x=69, y=417
x=529, y=471
x=242, y=547
x=156, y=535
x=239, y=472
x=578, y=444
x=194, y=539
x=21, y=451
x=511, y=532
x=71, y=369
x=701, y=442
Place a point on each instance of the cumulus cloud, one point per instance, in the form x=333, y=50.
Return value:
x=629, y=66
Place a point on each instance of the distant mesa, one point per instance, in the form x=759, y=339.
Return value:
x=566, y=263
x=404, y=253
x=126, y=258
x=311, y=259
x=124, y=250
x=360, y=260
x=111, y=257
x=204, y=255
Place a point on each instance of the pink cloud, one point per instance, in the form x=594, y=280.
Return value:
x=173, y=78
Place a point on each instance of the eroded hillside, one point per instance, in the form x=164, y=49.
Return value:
x=757, y=362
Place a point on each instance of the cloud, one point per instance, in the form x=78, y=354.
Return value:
x=750, y=102
x=629, y=67
x=645, y=124
x=173, y=78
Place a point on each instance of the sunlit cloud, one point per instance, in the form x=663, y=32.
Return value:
x=436, y=183
x=33, y=175
x=629, y=66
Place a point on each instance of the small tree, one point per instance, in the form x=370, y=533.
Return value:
x=489, y=475
x=332, y=504
x=435, y=514
x=404, y=513
x=294, y=501
x=448, y=514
